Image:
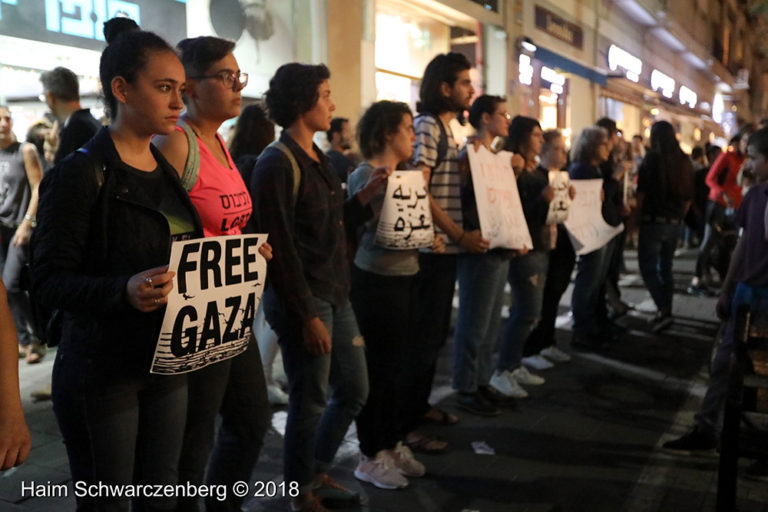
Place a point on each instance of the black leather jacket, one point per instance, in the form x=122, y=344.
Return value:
x=91, y=237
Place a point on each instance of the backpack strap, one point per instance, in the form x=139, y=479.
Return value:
x=192, y=165
x=97, y=163
x=294, y=166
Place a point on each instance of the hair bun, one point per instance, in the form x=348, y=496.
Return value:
x=119, y=25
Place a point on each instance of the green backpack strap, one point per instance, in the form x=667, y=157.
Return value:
x=192, y=165
x=294, y=165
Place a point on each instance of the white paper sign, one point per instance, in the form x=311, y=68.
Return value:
x=499, y=209
x=558, y=208
x=406, y=220
x=210, y=312
x=587, y=229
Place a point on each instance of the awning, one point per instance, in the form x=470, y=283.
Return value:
x=556, y=61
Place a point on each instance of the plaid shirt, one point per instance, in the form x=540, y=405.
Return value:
x=308, y=239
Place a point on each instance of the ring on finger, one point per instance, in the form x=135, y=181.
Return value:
x=148, y=280
x=156, y=301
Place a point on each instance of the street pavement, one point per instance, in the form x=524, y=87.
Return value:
x=589, y=439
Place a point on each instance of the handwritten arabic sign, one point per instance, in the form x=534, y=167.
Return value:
x=558, y=208
x=211, y=308
x=587, y=229
x=499, y=209
x=406, y=220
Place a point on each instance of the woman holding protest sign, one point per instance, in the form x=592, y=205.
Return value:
x=481, y=276
x=234, y=388
x=528, y=269
x=107, y=217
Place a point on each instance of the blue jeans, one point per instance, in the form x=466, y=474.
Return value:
x=12, y=261
x=527, y=277
x=316, y=424
x=655, y=250
x=481, y=292
x=710, y=415
x=119, y=429
x=591, y=273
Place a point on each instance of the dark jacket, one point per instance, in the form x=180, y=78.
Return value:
x=90, y=239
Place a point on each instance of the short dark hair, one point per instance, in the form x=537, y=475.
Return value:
x=484, y=104
x=293, y=90
x=759, y=141
x=253, y=132
x=549, y=136
x=126, y=56
x=697, y=152
x=337, y=126
x=444, y=68
x=199, y=53
x=62, y=83
x=607, y=124
x=519, y=133
x=383, y=118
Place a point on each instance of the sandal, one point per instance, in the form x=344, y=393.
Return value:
x=35, y=353
x=439, y=416
x=425, y=443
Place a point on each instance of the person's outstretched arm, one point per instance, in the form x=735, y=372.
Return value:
x=14, y=434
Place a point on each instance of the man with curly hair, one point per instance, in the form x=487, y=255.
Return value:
x=299, y=202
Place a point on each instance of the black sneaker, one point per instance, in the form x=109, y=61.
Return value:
x=475, y=403
x=495, y=398
x=661, y=323
x=696, y=440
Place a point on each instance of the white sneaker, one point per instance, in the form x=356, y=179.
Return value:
x=276, y=396
x=555, y=354
x=537, y=362
x=402, y=457
x=504, y=383
x=380, y=472
x=526, y=378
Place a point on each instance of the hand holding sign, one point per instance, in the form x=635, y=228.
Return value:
x=148, y=290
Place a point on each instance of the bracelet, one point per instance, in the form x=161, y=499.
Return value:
x=31, y=219
x=461, y=237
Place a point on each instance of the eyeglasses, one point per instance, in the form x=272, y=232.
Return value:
x=228, y=78
x=505, y=115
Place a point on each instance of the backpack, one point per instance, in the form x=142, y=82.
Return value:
x=48, y=322
x=294, y=166
x=192, y=165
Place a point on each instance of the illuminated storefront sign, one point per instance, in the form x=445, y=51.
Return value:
x=718, y=108
x=688, y=97
x=619, y=59
x=663, y=83
x=556, y=80
x=525, y=72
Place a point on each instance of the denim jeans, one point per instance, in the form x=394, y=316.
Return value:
x=655, y=250
x=316, y=424
x=592, y=269
x=435, y=286
x=481, y=292
x=12, y=261
x=527, y=277
x=714, y=219
x=384, y=310
x=236, y=390
x=561, y=261
x=119, y=429
x=710, y=415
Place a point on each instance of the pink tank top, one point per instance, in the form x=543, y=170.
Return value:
x=220, y=195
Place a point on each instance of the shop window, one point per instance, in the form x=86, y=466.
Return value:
x=490, y=5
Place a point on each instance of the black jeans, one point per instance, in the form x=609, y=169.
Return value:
x=561, y=262
x=12, y=261
x=435, y=284
x=118, y=429
x=384, y=307
x=715, y=219
x=236, y=390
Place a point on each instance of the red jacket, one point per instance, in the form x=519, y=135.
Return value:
x=730, y=163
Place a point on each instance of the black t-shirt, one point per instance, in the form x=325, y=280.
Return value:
x=657, y=200
x=155, y=188
x=751, y=215
x=78, y=129
x=341, y=164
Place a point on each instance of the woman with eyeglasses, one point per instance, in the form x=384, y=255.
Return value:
x=234, y=388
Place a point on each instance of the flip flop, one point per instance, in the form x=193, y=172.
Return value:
x=444, y=418
x=425, y=443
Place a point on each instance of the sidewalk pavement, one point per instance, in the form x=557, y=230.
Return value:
x=587, y=440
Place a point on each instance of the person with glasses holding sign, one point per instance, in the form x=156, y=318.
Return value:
x=235, y=388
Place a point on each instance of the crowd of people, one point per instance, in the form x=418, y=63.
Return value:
x=360, y=326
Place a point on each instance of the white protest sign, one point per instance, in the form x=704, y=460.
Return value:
x=499, y=209
x=406, y=220
x=587, y=229
x=210, y=312
x=558, y=208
